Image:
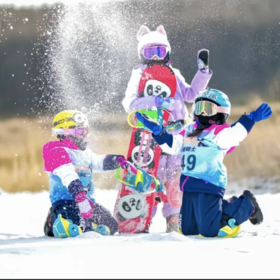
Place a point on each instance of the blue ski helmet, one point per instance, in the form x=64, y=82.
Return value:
x=217, y=97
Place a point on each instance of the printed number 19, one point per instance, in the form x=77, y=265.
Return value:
x=191, y=161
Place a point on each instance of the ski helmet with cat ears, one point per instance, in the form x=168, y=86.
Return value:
x=147, y=38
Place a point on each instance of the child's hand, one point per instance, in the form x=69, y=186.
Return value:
x=149, y=123
x=112, y=162
x=165, y=103
x=262, y=113
x=203, y=59
x=121, y=161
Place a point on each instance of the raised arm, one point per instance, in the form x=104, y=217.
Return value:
x=232, y=136
x=200, y=80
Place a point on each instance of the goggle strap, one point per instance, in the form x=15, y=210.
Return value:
x=65, y=131
x=221, y=109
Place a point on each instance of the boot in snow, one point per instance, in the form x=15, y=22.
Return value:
x=257, y=216
x=172, y=223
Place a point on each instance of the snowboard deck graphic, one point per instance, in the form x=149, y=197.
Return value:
x=133, y=210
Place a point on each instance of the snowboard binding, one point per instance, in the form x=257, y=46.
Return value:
x=64, y=228
x=101, y=229
x=138, y=179
x=229, y=231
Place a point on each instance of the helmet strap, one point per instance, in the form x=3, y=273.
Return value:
x=61, y=137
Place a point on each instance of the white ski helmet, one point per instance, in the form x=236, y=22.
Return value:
x=150, y=38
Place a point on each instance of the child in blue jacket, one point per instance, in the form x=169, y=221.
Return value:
x=203, y=145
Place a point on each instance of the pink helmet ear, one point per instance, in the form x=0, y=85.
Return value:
x=161, y=30
x=142, y=31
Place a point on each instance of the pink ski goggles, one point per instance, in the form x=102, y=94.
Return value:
x=76, y=132
x=154, y=51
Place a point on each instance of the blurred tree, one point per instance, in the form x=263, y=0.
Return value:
x=243, y=38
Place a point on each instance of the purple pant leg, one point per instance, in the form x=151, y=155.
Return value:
x=101, y=216
x=173, y=193
x=162, y=168
x=169, y=172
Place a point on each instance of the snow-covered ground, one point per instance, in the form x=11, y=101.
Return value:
x=26, y=253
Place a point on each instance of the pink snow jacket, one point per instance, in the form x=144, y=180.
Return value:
x=66, y=162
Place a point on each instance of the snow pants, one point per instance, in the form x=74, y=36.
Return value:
x=205, y=214
x=69, y=210
x=169, y=172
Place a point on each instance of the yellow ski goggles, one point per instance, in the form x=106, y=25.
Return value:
x=209, y=108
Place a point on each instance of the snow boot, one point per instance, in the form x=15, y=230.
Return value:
x=48, y=224
x=101, y=229
x=257, y=216
x=230, y=230
x=64, y=228
x=172, y=222
x=146, y=230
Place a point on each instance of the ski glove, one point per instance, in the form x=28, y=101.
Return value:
x=84, y=204
x=121, y=161
x=151, y=124
x=262, y=113
x=164, y=103
x=203, y=59
x=112, y=162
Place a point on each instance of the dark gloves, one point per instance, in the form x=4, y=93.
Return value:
x=112, y=162
x=203, y=59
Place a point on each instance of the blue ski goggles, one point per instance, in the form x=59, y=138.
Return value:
x=154, y=52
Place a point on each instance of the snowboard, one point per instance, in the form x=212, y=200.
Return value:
x=133, y=209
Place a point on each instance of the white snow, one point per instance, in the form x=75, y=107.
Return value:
x=26, y=253
x=36, y=3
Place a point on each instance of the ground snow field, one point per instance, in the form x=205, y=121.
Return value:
x=26, y=253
